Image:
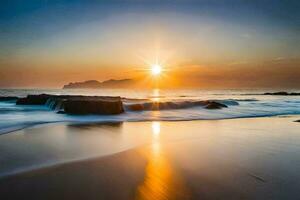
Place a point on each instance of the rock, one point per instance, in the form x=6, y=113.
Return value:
x=8, y=98
x=76, y=104
x=34, y=100
x=175, y=105
x=276, y=93
x=104, y=107
x=135, y=107
x=297, y=120
x=282, y=93
x=215, y=105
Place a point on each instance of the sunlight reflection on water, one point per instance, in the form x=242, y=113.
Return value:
x=160, y=181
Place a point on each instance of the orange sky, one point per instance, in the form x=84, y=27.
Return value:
x=270, y=74
x=200, y=45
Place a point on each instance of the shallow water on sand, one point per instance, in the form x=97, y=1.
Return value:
x=275, y=138
x=257, y=158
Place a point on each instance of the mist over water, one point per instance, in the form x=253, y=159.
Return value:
x=241, y=104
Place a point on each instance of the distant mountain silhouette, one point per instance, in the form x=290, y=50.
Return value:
x=111, y=83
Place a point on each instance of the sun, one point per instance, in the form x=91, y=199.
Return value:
x=156, y=69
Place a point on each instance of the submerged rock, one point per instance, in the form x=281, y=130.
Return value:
x=175, y=105
x=135, y=107
x=215, y=105
x=104, y=107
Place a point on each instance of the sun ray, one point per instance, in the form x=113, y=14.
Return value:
x=156, y=69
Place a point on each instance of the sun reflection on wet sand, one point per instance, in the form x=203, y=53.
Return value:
x=155, y=130
x=160, y=181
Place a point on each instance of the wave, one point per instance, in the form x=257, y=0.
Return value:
x=249, y=100
x=15, y=117
x=9, y=129
x=169, y=105
x=96, y=119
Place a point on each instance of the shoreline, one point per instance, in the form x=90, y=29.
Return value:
x=136, y=121
x=71, y=123
x=237, y=158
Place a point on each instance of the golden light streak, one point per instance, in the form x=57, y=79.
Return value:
x=155, y=95
x=160, y=181
x=156, y=128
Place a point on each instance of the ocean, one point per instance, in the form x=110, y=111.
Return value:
x=241, y=104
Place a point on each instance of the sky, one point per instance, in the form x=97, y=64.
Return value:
x=202, y=44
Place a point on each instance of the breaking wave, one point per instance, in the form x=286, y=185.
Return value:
x=14, y=117
x=170, y=105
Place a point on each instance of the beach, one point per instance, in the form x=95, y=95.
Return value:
x=247, y=158
x=150, y=100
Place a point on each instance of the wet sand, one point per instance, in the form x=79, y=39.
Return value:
x=256, y=158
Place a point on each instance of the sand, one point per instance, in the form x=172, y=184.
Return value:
x=256, y=158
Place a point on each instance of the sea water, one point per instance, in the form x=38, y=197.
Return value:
x=241, y=104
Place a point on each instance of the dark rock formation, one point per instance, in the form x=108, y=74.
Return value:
x=297, y=120
x=76, y=104
x=174, y=105
x=34, y=100
x=215, y=105
x=8, y=98
x=282, y=93
x=104, y=107
x=112, y=83
x=135, y=107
